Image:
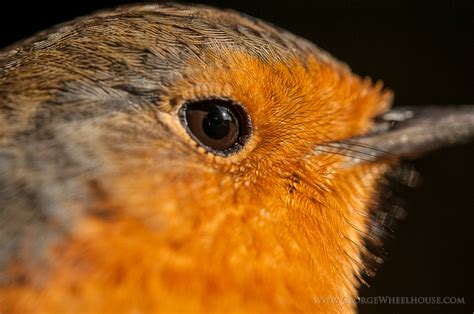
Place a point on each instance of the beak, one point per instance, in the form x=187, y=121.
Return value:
x=407, y=133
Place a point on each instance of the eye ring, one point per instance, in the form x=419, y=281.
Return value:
x=220, y=125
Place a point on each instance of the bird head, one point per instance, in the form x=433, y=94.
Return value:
x=182, y=158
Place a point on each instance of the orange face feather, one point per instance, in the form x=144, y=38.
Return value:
x=161, y=223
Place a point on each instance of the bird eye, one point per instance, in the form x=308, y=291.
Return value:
x=221, y=126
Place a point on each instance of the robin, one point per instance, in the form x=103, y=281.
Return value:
x=178, y=158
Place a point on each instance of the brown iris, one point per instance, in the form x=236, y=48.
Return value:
x=221, y=126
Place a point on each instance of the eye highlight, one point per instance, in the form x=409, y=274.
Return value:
x=221, y=126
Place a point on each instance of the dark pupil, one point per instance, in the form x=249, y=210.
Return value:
x=217, y=123
x=221, y=126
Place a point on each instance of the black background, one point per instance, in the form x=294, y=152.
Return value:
x=424, y=52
